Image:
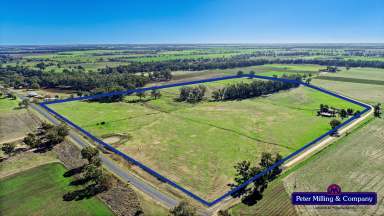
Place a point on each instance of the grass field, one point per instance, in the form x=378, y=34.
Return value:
x=8, y=105
x=184, y=142
x=39, y=191
x=359, y=73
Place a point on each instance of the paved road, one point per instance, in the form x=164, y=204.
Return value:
x=114, y=168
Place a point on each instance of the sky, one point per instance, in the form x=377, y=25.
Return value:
x=25, y=22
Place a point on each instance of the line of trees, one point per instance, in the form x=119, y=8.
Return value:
x=154, y=74
x=78, y=80
x=254, y=89
x=92, y=176
x=47, y=136
x=240, y=61
x=232, y=62
x=192, y=94
x=44, y=139
x=244, y=171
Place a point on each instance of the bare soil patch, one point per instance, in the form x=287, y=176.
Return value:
x=16, y=125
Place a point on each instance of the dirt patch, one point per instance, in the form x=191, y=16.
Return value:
x=69, y=154
x=122, y=200
x=116, y=140
x=112, y=139
x=17, y=125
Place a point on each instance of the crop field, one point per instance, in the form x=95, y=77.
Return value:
x=276, y=201
x=197, y=145
x=263, y=70
x=39, y=191
x=96, y=59
x=359, y=73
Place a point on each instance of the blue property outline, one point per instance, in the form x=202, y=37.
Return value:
x=164, y=179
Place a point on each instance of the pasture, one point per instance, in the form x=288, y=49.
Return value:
x=8, y=105
x=39, y=191
x=197, y=145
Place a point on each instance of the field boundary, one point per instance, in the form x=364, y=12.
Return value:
x=170, y=182
x=351, y=80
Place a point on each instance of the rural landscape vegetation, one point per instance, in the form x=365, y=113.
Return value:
x=185, y=129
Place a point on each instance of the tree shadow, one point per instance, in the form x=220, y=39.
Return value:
x=252, y=198
x=73, y=171
x=80, y=181
x=43, y=148
x=143, y=100
x=86, y=193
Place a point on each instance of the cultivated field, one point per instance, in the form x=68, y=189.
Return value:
x=355, y=163
x=276, y=201
x=39, y=191
x=197, y=145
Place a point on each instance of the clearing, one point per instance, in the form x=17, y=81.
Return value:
x=15, y=123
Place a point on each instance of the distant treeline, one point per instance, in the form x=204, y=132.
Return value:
x=77, y=80
x=254, y=89
x=157, y=74
x=233, y=62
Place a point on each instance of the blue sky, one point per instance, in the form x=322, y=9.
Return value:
x=191, y=21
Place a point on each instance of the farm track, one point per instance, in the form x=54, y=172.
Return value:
x=352, y=80
x=122, y=119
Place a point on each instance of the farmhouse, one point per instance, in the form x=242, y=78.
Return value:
x=33, y=95
x=326, y=114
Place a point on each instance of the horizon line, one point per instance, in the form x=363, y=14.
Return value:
x=197, y=43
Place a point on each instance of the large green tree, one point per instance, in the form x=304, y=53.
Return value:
x=32, y=140
x=8, y=148
x=89, y=153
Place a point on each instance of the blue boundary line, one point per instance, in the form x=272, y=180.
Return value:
x=164, y=179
